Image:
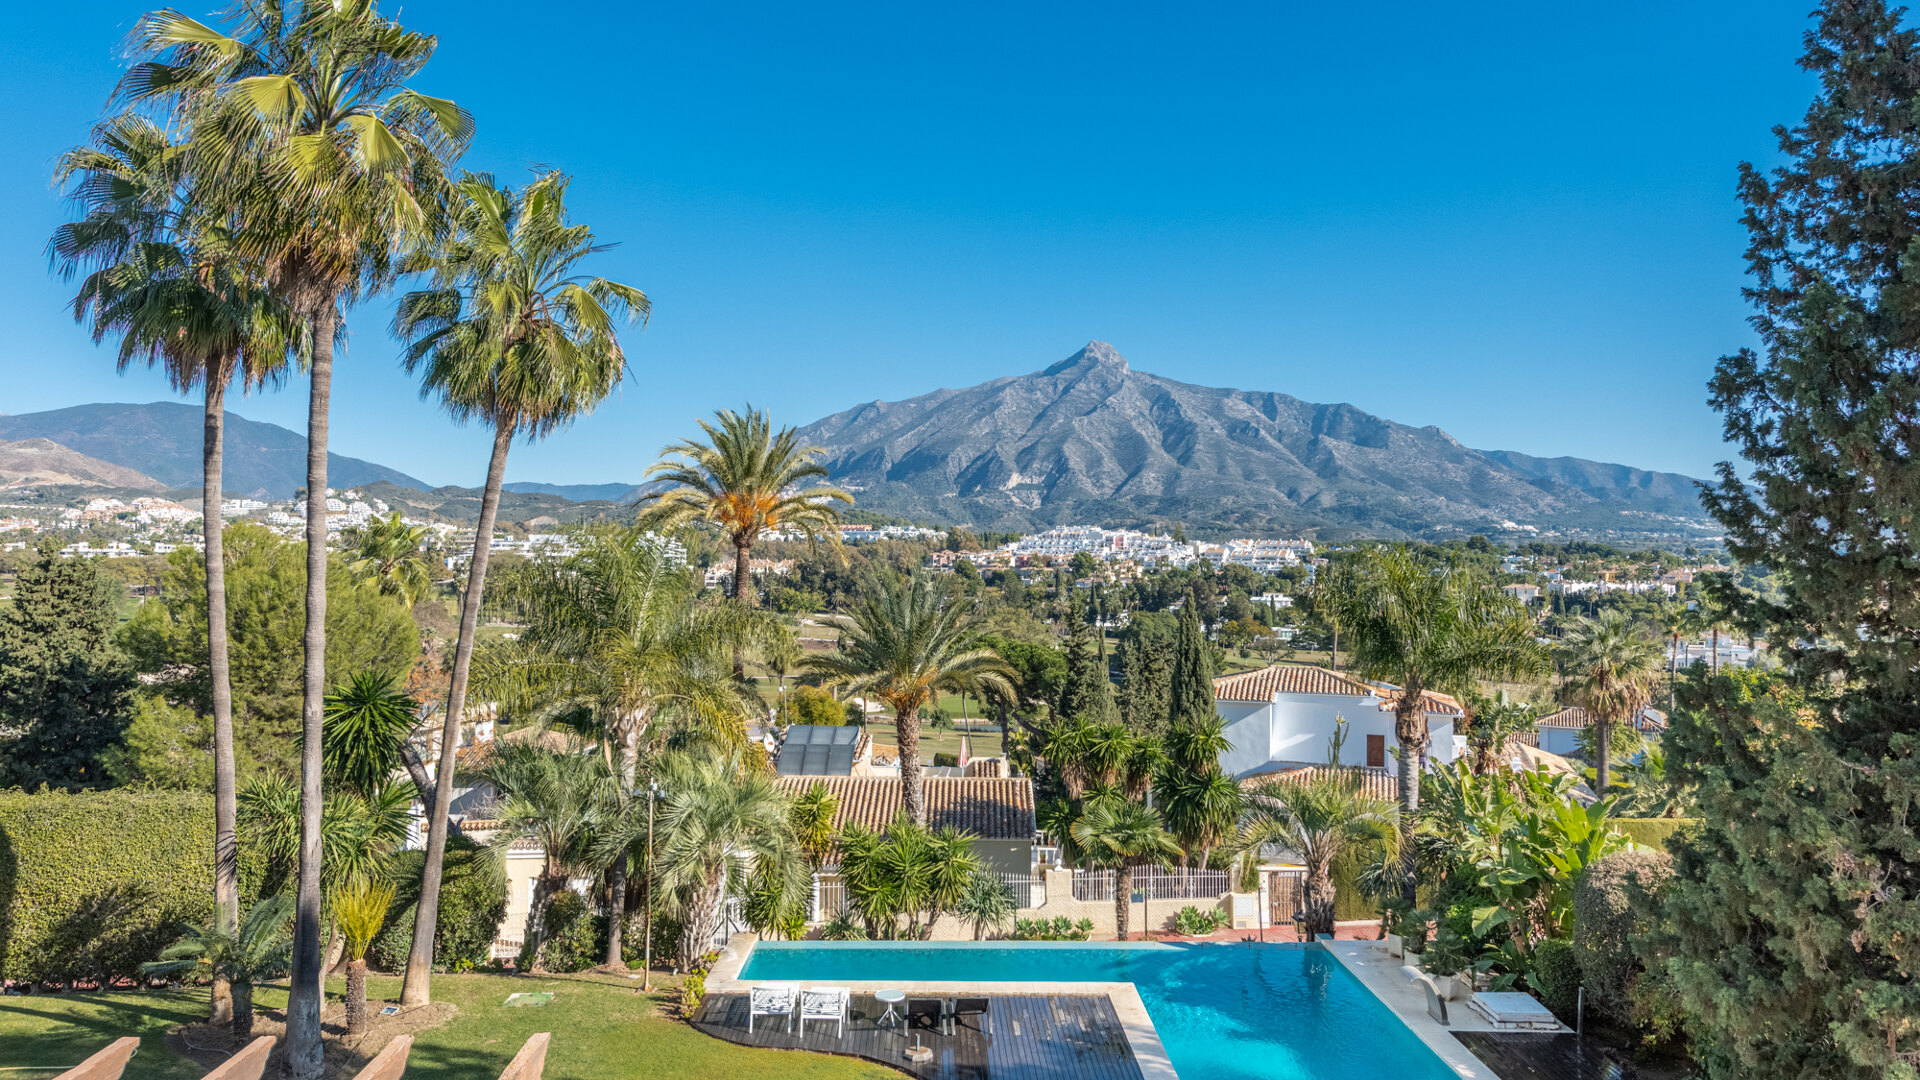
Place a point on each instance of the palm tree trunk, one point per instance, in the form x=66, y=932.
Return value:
x=545, y=887
x=1316, y=913
x=1716, y=650
x=416, y=989
x=1410, y=729
x=1602, y=751
x=303, y=1061
x=357, y=997
x=616, y=912
x=1122, y=899
x=242, y=1010
x=742, y=594
x=906, y=728
x=226, y=845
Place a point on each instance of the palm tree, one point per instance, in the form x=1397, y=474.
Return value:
x=1319, y=820
x=1612, y=668
x=1201, y=809
x=747, y=480
x=1120, y=836
x=720, y=828
x=782, y=656
x=1426, y=627
x=561, y=799
x=255, y=950
x=812, y=821
x=510, y=331
x=303, y=126
x=360, y=910
x=904, y=643
x=987, y=903
x=158, y=279
x=363, y=739
x=614, y=643
x=391, y=555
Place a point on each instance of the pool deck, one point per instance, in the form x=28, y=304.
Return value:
x=1035, y=1037
x=1149, y=1056
x=1379, y=972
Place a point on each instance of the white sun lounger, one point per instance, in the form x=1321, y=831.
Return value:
x=825, y=1003
x=772, y=999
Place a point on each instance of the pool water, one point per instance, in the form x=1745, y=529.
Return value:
x=1224, y=1012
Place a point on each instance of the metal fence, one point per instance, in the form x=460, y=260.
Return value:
x=1029, y=890
x=1153, y=884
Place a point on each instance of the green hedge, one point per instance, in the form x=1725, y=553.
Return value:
x=94, y=884
x=1349, y=905
x=473, y=900
x=1652, y=832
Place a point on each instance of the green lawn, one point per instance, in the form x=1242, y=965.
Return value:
x=602, y=1030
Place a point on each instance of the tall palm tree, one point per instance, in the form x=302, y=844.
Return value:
x=614, y=643
x=1120, y=836
x=510, y=331
x=720, y=828
x=391, y=554
x=302, y=122
x=1612, y=668
x=563, y=800
x=1425, y=627
x=745, y=478
x=158, y=279
x=905, y=642
x=782, y=656
x=1318, y=820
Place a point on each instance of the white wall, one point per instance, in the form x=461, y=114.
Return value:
x=1298, y=727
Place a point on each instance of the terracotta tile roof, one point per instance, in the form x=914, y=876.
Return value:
x=1261, y=685
x=1573, y=716
x=1377, y=783
x=993, y=808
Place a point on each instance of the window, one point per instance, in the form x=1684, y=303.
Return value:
x=1376, y=751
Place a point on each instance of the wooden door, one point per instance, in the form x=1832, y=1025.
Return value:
x=1376, y=751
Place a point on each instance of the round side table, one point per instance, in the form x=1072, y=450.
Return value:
x=890, y=998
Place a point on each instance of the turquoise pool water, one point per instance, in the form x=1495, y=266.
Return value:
x=1224, y=1012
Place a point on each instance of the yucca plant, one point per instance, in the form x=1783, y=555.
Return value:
x=360, y=909
x=259, y=948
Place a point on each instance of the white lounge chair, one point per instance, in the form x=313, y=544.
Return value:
x=825, y=1003
x=772, y=999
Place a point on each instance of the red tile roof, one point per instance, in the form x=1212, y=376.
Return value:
x=1261, y=685
x=992, y=808
x=1573, y=716
x=1377, y=783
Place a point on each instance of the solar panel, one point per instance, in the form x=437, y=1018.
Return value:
x=818, y=750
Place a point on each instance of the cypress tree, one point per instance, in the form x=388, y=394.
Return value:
x=1190, y=686
x=1087, y=693
x=64, y=685
x=1794, y=919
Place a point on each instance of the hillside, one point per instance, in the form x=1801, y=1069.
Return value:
x=162, y=440
x=42, y=463
x=463, y=504
x=1090, y=440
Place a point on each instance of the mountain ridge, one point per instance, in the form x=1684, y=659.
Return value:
x=1089, y=438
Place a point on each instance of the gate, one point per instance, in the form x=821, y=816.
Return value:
x=1286, y=892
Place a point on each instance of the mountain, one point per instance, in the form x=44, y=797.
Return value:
x=1090, y=440
x=163, y=440
x=618, y=493
x=462, y=504
x=33, y=463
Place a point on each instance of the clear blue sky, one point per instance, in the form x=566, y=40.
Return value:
x=1513, y=220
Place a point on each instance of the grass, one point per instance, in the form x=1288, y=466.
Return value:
x=602, y=1030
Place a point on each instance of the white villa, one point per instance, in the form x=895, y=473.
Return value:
x=1281, y=717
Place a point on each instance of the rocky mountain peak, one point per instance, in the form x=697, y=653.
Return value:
x=1097, y=354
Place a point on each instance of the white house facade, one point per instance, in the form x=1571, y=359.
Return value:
x=1280, y=717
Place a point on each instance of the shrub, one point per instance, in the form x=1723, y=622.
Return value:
x=567, y=944
x=812, y=705
x=1448, y=953
x=1192, y=922
x=945, y=760
x=843, y=927
x=1609, y=910
x=1652, y=832
x=94, y=884
x=692, y=990
x=1056, y=929
x=473, y=900
x=1556, y=976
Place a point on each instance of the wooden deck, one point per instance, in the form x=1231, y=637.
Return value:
x=1525, y=1055
x=1053, y=1037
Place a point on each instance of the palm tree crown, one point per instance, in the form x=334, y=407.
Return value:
x=392, y=555
x=1122, y=835
x=745, y=478
x=1318, y=821
x=905, y=642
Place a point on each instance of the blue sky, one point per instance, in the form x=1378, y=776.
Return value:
x=1515, y=221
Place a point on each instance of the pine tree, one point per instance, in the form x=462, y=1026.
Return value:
x=1795, y=915
x=1190, y=685
x=64, y=686
x=1087, y=693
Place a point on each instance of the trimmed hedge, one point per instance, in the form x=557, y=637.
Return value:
x=1556, y=975
x=473, y=900
x=96, y=883
x=1652, y=832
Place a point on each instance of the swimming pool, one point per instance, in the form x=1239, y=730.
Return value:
x=1223, y=1012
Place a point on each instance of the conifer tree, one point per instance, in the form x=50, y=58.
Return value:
x=64, y=685
x=1794, y=919
x=1190, y=690
x=1087, y=693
